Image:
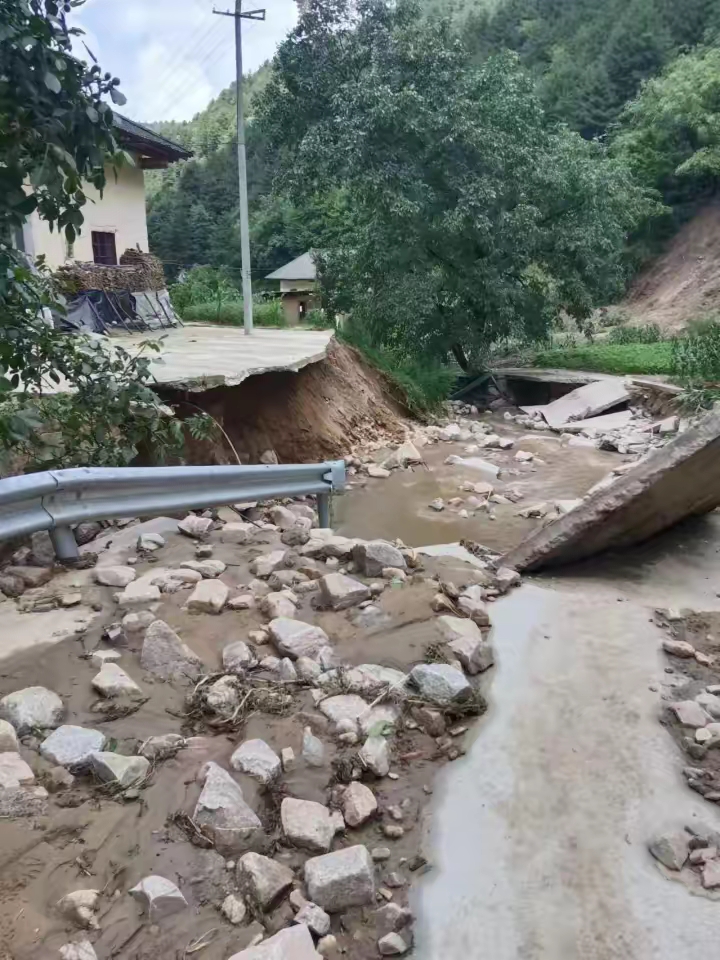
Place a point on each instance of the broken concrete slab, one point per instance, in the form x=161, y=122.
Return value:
x=587, y=401
x=602, y=424
x=679, y=480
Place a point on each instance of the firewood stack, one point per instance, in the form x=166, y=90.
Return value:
x=136, y=272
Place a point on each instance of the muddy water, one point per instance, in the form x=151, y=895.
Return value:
x=398, y=506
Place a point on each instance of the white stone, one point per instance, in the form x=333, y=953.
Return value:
x=8, y=738
x=237, y=532
x=160, y=748
x=315, y=918
x=72, y=747
x=689, y=713
x=505, y=578
x=237, y=657
x=283, y=518
x=223, y=813
x=264, y=880
x=670, y=849
x=137, y=622
x=709, y=702
x=256, y=759
x=392, y=945
x=158, y=897
x=208, y=569
x=294, y=638
x=243, y=601
x=307, y=670
x=406, y=453
x=80, y=950
x=358, y=804
x=32, y=708
x=287, y=758
x=292, y=943
x=99, y=658
x=14, y=772
x=328, y=946
x=307, y=824
x=223, y=696
x=209, y=596
x=287, y=671
x=377, y=719
x=313, y=750
x=341, y=879
x=440, y=683
x=372, y=556
x=452, y=432
x=438, y=505
x=263, y=566
x=278, y=606
x=165, y=655
x=194, y=526
x=377, y=472
x=79, y=906
x=370, y=679
x=375, y=757
x=670, y=425
x=112, y=681
x=340, y=592
x=117, y=576
x=466, y=641
x=233, y=909
x=150, y=542
x=345, y=706
x=140, y=593
x=112, y=767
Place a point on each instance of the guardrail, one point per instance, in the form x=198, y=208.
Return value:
x=58, y=499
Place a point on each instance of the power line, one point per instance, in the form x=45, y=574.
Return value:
x=175, y=62
x=207, y=51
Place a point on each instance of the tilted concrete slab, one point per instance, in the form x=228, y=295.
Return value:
x=601, y=424
x=587, y=401
x=677, y=481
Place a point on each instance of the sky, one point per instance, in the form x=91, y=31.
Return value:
x=174, y=56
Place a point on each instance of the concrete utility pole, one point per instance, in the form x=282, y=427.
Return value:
x=242, y=165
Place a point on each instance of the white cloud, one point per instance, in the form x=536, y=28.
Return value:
x=174, y=56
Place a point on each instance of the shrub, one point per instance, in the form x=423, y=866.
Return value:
x=317, y=319
x=203, y=285
x=621, y=359
x=696, y=357
x=648, y=333
x=265, y=314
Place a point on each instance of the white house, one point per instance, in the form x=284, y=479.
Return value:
x=298, y=287
x=116, y=220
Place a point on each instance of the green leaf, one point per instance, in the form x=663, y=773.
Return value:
x=118, y=98
x=52, y=82
x=93, y=115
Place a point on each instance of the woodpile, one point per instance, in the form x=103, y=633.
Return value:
x=137, y=271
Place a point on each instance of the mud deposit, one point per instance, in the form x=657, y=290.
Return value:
x=93, y=837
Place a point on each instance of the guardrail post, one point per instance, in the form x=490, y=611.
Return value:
x=63, y=541
x=323, y=505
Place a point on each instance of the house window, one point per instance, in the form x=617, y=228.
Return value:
x=103, y=245
x=69, y=250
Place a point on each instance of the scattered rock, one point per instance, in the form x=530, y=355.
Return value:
x=31, y=576
x=378, y=719
x=373, y=556
x=237, y=532
x=233, y=909
x=99, y=658
x=264, y=879
x=313, y=750
x=380, y=854
x=208, y=569
x=441, y=683
x=8, y=738
x=287, y=758
x=279, y=605
x=689, y=713
x=166, y=656
x=79, y=906
x=345, y=706
x=393, y=831
x=670, y=849
x=14, y=772
x=42, y=552
x=406, y=453
x=80, y=950
x=112, y=767
x=294, y=638
x=438, y=505
x=150, y=542
x=114, y=576
x=160, y=748
x=358, y=804
x=209, y=596
x=328, y=946
x=711, y=874
x=341, y=879
x=72, y=747
x=307, y=824
x=158, y=897
x=237, y=657
x=244, y=601
x=135, y=623
x=679, y=648
x=377, y=472
x=68, y=600
x=140, y=593
x=195, y=527
x=710, y=703
x=263, y=566
x=223, y=814
x=114, y=682
x=292, y=943
x=467, y=643
x=392, y=945
x=11, y=586
x=340, y=591
x=256, y=759
x=307, y=670
x=315, y=918
x=222, y=696
x=375, y=757
x=392, y=917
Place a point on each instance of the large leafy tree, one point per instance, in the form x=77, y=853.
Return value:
x=473, y=217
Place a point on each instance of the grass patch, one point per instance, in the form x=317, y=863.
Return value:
x=616, y=358
x=230, y=314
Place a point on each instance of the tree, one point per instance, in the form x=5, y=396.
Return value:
x=472, y=216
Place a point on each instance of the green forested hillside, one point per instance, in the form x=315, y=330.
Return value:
x=640, y=77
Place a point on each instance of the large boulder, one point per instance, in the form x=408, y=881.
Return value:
x=466, y=641
x=32, y=708
x=294, y=638
x=440, y=683
x=166, y=656
x=72, y=747
x=340, y=591
x=264, y=880
x=307, y=824
x=341, y=879
x=222, y=813
x=371, y=557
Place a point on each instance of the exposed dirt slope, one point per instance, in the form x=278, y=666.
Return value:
x=321, y=412
x=684, y=282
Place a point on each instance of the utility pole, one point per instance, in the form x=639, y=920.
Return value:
x=239, y=16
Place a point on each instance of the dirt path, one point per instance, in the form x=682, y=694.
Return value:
x=540, y=836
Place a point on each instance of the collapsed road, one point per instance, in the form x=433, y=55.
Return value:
x=232, y=700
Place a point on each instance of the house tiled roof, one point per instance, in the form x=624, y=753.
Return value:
x=301, y=268
x=139, y=137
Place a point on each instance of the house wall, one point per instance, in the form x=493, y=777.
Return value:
x=293, y=302
x=291, y=286
x=120, y=210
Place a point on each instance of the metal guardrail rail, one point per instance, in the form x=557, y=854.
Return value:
x=58, y=499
